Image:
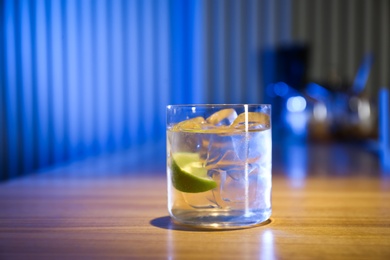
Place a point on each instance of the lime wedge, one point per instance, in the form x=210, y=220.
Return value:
x=189, y=175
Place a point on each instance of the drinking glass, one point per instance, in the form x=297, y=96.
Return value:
x=219, y=164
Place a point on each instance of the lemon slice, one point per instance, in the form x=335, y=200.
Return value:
x=189, y=175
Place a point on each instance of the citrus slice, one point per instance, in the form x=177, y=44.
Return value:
x=189, y=175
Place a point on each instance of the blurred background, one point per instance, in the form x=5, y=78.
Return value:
x=83, y=79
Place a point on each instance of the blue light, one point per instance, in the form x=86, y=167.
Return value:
x=57, y=124
x=199, y=79
x=296, y=117
x=89, y=138
x=316, y=91
x=11, y=109
x=72, y=76
x=133, y=72
x=270, y=90
x=296, y=104
x=384, y=125
x=235, y=38
x=27, y=81
x=296, y=166
x=362, y=74
x=116, y=69
x=281, y=89
x=219, y=57
x=42, y=68
x=297, y=122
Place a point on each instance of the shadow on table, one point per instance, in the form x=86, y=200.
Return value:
x=166, y=222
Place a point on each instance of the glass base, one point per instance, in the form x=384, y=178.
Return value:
x=218, y=219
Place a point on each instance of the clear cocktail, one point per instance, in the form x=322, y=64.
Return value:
x=219, y=164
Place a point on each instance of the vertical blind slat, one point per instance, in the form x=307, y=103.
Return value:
x=3, y=122
x=163, y=55
x=87, y=83
x=351, y=39
x=251, y=94
x=132, y=70
x=73, y=106
x=42, y=83
x=102, y=83
x=116, y=80
x=27, y=85
x=235, y=50
x=148, y=70
x=221, y=56
x=384, y=64
x=334, y=35
x=11, y=89
x=57, y=82
x=198, y=57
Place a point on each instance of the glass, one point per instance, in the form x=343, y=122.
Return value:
x=219, y=165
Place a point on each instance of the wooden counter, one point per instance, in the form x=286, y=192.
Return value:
x=317, y=214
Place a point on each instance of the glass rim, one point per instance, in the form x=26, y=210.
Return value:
x=219, y=105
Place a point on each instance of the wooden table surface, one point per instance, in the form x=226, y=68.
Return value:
x=320, y=211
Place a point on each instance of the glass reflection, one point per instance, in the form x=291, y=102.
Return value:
x=267, y=244
x=296, y=165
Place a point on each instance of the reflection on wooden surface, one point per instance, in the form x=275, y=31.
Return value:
x=328, y=202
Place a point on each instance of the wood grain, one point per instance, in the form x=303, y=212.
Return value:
x=125, y=216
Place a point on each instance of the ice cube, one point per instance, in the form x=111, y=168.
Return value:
x=220, y=152
x=208, y=199
x=264, y=185
x=222, y=117
x=250, y=185
x=184, y=142
x=200, y=200
x=238, y=172
x=208, y=127
x=182, y=139
x=253, y=147
x=252, y=121
x=235, y=192
x=218, y=176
